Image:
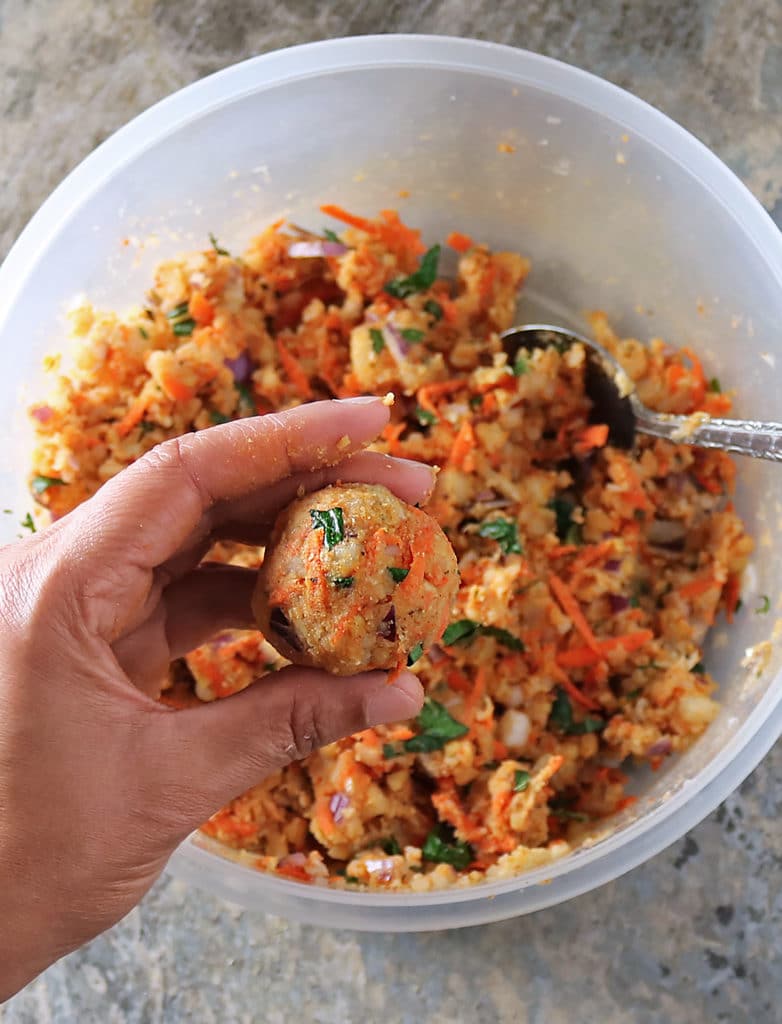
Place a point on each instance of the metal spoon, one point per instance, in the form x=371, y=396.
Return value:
x=616, y=403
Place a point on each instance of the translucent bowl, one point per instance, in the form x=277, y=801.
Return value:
x=618, y=208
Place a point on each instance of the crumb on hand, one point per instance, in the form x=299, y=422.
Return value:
x=389, y=399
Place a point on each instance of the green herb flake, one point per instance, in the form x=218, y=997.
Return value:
x=217, y=247
x=565, y=814
x=397, y=575
x=390, y=751
x=331, y=236
x=343, y=582
x=143, y=332
x=8, y=511
x=415, y=654
x=521, y=780
x=568, y=531
x=765, y=605
x=39, y=484
x=505, y=532
x=184, y=328
x=352, y=880
x=391, y=847
x=28, y=523
x=146, y=427
x=561, y=716
x=520, y=366
x=378, y=341
x=476, y=401
x=464, y=631
x=699, y=669
x=411, y=334
x=424, y=417
x=634, y=693
x=458, y=854
x=437, y=727
x=246, y=396
x=331, y=521
x=421, y=280
x=218, y=417
x=715, y=386
x=178, y=311
x=434, y=309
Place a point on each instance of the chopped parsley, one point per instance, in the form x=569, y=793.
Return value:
x=476, y=401
x=421, y=280
x=178, y=311
x=565, y=814
x=143, y=332
x=464, y=631
x=521, y=780
x=219, y=417
x=437, y=727
x=397, y=575
x=378, y=341
x=183, y=328
x=434, y=309
x=412, y=334
x=331, y=236
x=146, y=426
x=765, y=605
x=415, y=654
x=8, y=511
x=217, y=247
x=424, y=417
x=39, y=484
x=329, y=520
x=343, y=582
x=568, y=531
x=246, y=396
x=561, y=717
x=505, y=532
x=456, y=853
x=28, y=523
x=699, y=669
x=520, y=366
x=715, y=386
x=391, y=846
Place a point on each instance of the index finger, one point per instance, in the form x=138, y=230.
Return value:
x=145, y=513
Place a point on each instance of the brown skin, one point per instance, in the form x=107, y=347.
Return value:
x=98, y=782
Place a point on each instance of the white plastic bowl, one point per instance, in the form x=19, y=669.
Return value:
x=618, y=207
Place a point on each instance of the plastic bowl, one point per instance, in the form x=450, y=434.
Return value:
x=617, y=206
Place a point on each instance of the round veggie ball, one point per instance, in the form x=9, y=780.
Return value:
x=355, y=579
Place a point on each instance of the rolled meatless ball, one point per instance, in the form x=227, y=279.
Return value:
x=355, y=579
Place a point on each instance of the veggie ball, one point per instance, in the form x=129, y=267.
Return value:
x=355, y=579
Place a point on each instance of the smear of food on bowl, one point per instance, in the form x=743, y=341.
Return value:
x=589, y=576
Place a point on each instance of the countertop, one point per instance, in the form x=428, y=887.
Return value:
x=694, y=934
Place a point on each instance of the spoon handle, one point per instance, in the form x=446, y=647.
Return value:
x=741, y=437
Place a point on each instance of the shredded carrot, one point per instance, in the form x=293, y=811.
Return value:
x=391, y=433
x=499, y=750
x=717, y=405
x=732, y=596
x=461, y=243
x=428, y=393
x=201, y=309
x=571, y=608
x=674, y=373
x=699, y=386
x=595, y=436
x=295, y=871
x=583, y=657
x=294, y=371
x=332, y=210
x=132, y=417
x=175, y=388
x=697, y=586
x=463, y=448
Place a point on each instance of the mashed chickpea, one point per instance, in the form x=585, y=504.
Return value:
x=355, y=579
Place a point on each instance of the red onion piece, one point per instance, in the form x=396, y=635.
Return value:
x=294, y=859
x=241, y=367
x=316, y=248
x=618, y=602
x=613, y=565
x=395, y=343
x=337, y=805
x=387, y=628
x=381, y=867
x=661, y=748
x=42, y=413
x=436, y=654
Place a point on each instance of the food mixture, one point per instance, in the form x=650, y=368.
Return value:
x=589, y=576
x=355, y=579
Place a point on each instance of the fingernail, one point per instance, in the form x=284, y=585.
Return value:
x=393, y=702
x=361, y=400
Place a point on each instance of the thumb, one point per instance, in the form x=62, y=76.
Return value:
x=215, y=752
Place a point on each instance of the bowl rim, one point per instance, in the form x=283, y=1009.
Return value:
x=587, y=867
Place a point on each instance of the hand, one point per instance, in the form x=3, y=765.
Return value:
x=98, y=782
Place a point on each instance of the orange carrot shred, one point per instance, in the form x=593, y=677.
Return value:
x=332, y=210
x=295, y=373
x=461, y=243
x=571, y=608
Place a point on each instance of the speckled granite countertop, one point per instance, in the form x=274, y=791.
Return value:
x=693, y=935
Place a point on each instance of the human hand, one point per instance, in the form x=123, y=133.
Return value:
x=98, y=782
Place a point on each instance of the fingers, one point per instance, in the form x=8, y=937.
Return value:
x=149, y=511
x=211, y=598
x=249, y=519
x=227, y=746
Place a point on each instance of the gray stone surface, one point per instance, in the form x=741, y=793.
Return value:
x=692, y=935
